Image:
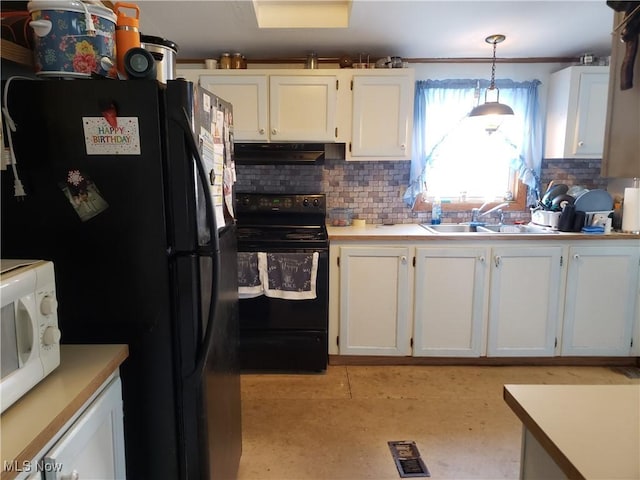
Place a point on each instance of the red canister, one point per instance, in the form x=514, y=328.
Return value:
x=127, y=32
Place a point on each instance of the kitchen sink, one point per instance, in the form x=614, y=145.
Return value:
x=449, y=228
x=514, y=229
x=484, y=229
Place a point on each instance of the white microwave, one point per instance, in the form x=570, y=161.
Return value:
x=29, y=333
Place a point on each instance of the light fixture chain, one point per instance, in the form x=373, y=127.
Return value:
x=493, y=107
x=493, y=67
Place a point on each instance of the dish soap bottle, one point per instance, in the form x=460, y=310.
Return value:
x=436, y=211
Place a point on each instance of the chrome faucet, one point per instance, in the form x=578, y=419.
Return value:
x=476, y=213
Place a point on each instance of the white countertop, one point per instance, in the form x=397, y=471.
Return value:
x=27, y=425
x=591, y=431
x=409, y=230
x=413, y=231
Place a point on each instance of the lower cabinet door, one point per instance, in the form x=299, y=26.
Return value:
x=374, y=301
x=93, y=448
x=524, y=301
x=450, y=301
x=602, y=290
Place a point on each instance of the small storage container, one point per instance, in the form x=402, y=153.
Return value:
x=341, y=217
x=545, y=218
x=164, y=53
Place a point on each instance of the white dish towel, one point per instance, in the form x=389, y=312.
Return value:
x=249, y=284
x=290, y=276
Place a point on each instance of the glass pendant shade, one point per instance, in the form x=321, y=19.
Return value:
x=492, y=108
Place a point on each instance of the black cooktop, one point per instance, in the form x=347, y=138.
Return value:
x=281, y=220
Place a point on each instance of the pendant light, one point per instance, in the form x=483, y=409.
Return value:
x=492, y=108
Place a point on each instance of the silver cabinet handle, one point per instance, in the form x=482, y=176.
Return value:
x=261, y=131
x=274, y=131
x=481, y=259
x=403, y=146
x=581, y=144
x=403, y=260
x=497, y=260
x=576, y=257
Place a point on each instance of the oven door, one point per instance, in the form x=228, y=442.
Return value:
x=265, y=313
x=286, y=335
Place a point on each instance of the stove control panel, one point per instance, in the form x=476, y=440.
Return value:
x=286, y=203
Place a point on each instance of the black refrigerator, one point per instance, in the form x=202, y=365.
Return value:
x=128, y=190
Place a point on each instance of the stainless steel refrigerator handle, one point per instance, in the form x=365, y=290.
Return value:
x=203, y=349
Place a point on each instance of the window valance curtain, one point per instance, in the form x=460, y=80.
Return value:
x=441, y=107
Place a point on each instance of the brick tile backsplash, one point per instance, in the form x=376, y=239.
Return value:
x=572, y=171
x=374, y=190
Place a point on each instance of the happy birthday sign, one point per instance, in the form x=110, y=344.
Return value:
x=103, y=139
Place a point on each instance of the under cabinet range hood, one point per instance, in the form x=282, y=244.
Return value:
x=284, y=153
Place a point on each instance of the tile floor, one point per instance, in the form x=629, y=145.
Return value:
x=336, y=425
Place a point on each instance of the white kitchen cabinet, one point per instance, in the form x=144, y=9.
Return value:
x=269, y=107
x=382, y=115
x=93, y=447
x=602, y=291
x=480, y=298
x=371, y=111
x=576, y=112
x=303, y=107
x=249, y=95
x=374, y=301
x=450, y=301
x=524, y=302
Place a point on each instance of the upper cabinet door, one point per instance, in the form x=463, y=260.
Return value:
x=249, y=96
x=303, y=108
x=576, y=112
x=592, y=113
x=382, y=116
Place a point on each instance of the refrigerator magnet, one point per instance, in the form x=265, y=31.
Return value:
x=83, y=195
x=206, y=102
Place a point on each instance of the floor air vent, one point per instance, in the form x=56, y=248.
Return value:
x=408, y=461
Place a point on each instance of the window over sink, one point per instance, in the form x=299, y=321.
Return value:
x=469, y=160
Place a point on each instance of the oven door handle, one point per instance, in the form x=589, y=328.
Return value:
x=213, y=250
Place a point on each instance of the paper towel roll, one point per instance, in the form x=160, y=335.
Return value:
x=631, y=210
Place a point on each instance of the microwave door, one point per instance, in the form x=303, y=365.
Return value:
x=9, y=353
x=28, y=330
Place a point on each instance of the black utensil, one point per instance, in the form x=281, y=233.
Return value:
x=559, y=202
x=559, y=189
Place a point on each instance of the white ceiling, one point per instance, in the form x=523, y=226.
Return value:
x=410, y=29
